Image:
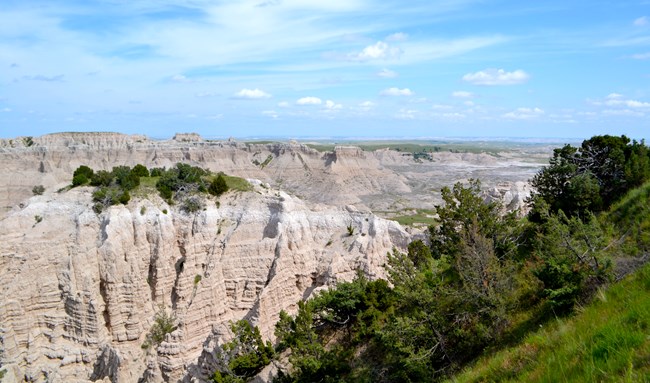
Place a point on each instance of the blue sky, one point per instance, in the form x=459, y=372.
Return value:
x=312, y=68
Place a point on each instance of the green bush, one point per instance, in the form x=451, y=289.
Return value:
x=140, y=171
x=218, y=186
x=244, y=356
x=79, y=179
x=164, y=324
x=38, y=190
x=82, y=174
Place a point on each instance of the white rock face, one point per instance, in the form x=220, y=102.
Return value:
x=79, y=291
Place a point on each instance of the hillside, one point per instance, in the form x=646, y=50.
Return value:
x=607, y=340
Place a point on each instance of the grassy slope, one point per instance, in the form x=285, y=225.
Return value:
x=608, y=341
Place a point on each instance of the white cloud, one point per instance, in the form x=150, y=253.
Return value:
x=616, y=99
x=524, y=114
x=283, y=104
x=406, y=114
x=251, y=94
x=441, y=107
x=366, y=106
x=331, y=105
x=399, y=36
x=641, y=21
x=378, y=51
x=309, y=101
x=462, y=94
x=623, y=112
x=387, y=73
x=451, y=116
x=496, y=77
x=270, y=113
x=641, y=56
x=396, y=92
x=5, y=110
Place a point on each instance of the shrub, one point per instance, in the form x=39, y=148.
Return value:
x=79, y=179
x=38, y=190
x=164, y=324
x=102, y=178
x=192, y=205
x=38, y=218
x=83, y=170
x=218, y=186
x=140, y=171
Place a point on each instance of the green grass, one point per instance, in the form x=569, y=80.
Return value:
x=608, y=341
x=237, y=183
x=632, y=215
x=420, y=218
x=147, y=187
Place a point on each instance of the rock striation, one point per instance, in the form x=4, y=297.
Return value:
x=381, y=180
x=79, y=291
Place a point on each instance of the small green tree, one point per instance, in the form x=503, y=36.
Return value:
x=140, y=170
x=82, y=175
x=244, y=356
x=218, y=186
x=164, y=323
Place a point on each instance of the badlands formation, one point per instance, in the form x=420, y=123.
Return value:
x=79, y=291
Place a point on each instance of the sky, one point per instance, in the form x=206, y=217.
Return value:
x=326, y=68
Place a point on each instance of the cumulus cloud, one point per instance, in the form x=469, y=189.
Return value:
x=367, y=105
x=5, y=110
x=462, y=94
x=251, y=94
x=387, y=73
x=641, y=21
x=524, y=114
x=283, y=104
x=496, y=77
x=378, y=51
x=331, y=105
x=618, y=100
x=396, y=92
x=399, y=36
x=309, y=101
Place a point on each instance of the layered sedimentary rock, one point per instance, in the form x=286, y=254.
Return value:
x=79, y=291
x=383, y=180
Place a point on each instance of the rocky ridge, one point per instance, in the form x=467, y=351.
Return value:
x=79, y=291
x=382, y=180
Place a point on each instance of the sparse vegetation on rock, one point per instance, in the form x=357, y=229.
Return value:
x=38, y=190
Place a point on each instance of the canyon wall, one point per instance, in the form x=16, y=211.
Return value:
x=79, y=291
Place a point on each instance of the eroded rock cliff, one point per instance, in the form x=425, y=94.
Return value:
x=79, y=291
